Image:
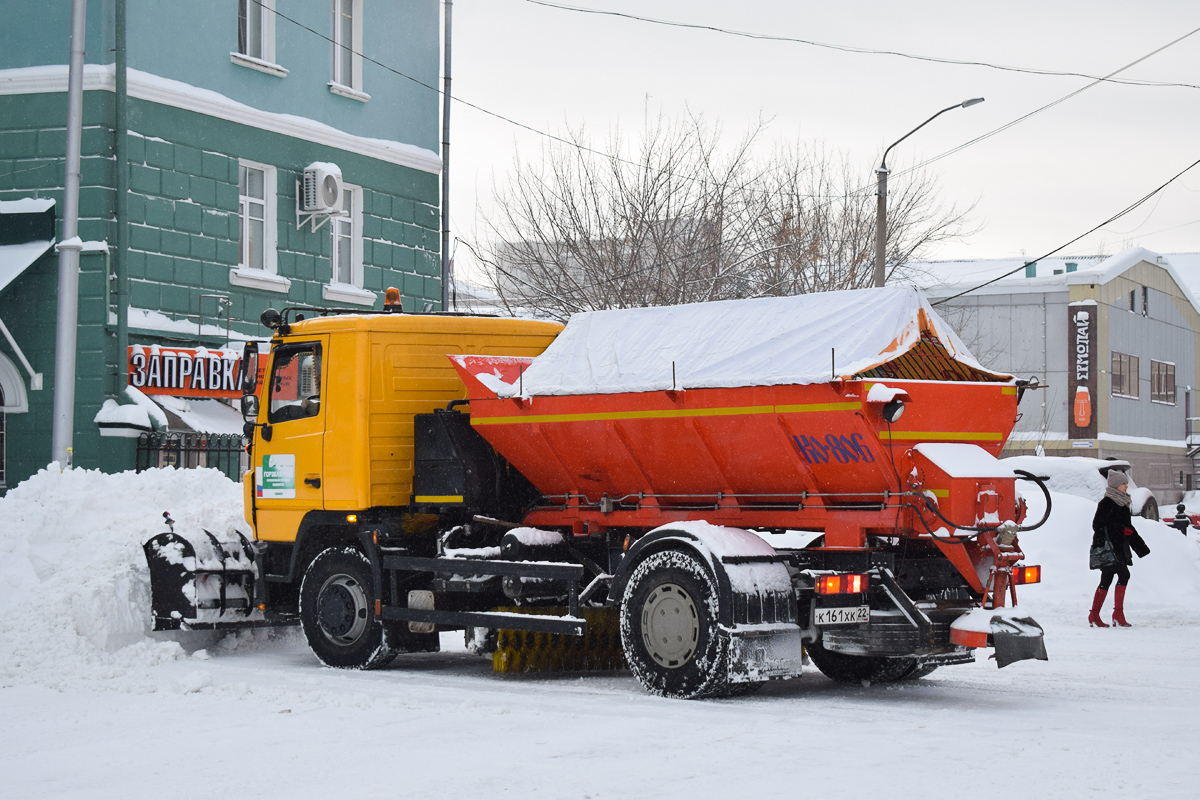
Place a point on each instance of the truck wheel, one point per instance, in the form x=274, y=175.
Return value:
x=669, y=628
x=856, y=669
x=337, y=611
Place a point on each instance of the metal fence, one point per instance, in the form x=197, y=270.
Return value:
x=221, y=451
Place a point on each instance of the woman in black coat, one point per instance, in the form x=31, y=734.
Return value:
x=1113, y=522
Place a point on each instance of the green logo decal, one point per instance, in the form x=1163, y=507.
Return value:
x=277, y=477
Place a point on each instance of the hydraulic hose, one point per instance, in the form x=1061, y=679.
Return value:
x=1023, y=475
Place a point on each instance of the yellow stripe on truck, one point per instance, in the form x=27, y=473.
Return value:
x=943, y=436
x=667, y=414
x=438, y=498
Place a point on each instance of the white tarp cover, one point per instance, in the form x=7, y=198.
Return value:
x=760, y=342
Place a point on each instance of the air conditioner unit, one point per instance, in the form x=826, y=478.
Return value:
x=322, y=188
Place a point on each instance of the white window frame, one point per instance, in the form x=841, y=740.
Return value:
x=1154, y=388
x=265, y=62
x=340, y=291
x=351, y=85
x=243, y=274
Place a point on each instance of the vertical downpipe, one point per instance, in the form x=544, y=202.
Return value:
x=63, y=427
x=122, y=166
x=446, y=276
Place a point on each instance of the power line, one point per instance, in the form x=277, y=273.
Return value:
x=1065, y=245
x=502, y=117
x=1049, y=105
x=847, y=48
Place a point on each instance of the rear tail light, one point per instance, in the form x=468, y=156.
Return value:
x=854, y=583
x=1027, y=575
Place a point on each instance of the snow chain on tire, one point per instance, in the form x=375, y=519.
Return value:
x=669, y=628
x=337, y=612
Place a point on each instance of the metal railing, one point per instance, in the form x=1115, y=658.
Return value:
x=223, y=451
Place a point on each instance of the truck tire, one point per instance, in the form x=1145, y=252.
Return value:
x=337, y=611
x=856, y=669
x=669, y=629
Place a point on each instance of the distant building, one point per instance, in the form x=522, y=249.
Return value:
x=221, y=108
x=1113, y=341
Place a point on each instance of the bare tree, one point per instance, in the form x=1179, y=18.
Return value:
x=685, y=220
x=817, y=222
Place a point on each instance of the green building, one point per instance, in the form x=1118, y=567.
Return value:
x=199, y=122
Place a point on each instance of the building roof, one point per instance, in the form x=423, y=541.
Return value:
x=946, y=278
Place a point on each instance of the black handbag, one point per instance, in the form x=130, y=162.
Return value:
x=1102, y=555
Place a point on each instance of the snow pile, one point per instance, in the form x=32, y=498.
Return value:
x=1073, y=475
x=74, y=586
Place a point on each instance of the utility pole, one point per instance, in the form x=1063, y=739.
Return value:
x=63, y=427
x=446, y=271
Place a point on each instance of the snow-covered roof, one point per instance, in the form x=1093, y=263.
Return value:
x=26, y=205
x=945, y=278
x=757, y=342
x=16, y=258
x=203, y=415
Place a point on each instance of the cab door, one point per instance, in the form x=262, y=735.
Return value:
x=289, y=440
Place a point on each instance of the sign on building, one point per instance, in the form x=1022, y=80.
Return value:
x=1082, y=369
x=185, y=372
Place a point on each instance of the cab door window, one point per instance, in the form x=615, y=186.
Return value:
x=295, y=386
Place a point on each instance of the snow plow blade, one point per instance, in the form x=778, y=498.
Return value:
x=1015, y=637
x=202, y=584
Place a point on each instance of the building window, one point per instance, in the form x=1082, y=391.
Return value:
x=252, y=29
x=256, y=211
x=1124, y=375
x=346, y=256
x=347, y=49
x=1162, y=382
x=252, y=209
x=257, y=229
x=256, y=37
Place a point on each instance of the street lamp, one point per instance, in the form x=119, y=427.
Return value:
x=881, y=203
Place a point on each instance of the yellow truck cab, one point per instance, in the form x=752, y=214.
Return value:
x=334, y=434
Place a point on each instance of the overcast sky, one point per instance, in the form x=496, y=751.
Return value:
x=1036, y=185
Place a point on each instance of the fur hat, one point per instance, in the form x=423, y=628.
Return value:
x=1117, y=478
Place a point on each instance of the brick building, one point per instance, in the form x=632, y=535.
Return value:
x=199, y=120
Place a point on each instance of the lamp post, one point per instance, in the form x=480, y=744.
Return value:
x=881, y=198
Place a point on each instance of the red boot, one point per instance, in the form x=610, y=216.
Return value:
x=1098, y=601
x=1119, y=608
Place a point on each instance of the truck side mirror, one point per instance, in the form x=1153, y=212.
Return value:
x=248, y=371
x=250, y=407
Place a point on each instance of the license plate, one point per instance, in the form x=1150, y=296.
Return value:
x=848, y=615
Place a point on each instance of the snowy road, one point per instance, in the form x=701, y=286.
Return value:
x=91, y=707
x=1113, y=713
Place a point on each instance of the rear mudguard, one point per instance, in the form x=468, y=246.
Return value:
x=756, y=602
x=1015, y=635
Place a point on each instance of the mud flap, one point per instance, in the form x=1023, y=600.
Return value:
x=202, y=584
x=764, y=652
x=1017, y=639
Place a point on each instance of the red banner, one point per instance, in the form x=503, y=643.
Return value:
x=185, y=372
